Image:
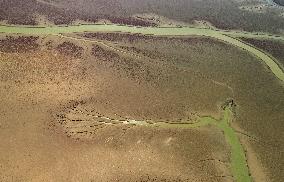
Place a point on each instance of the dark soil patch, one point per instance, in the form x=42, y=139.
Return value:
x=117, y=37
x=279, y=2
x=24, y=12
x=103, y=54
x=275, y=48
x=128, y=21
x=150, y=54
x=132, y=38
x=222, y=13
x=69, y=48
x=18, y=44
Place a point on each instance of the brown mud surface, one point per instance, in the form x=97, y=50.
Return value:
x=258, y=94
x=39, y=86
x=50, y=95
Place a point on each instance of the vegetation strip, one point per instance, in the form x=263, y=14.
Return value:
x=238, y=159
x=159, y=31
x=238, y=164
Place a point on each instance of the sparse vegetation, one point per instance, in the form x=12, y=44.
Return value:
x=178, y=103
x=104, y=54
x=70, y=49
x=122, y=12
x=225, y=66
x=275, y=48
x=43, y=83
x=18, y=44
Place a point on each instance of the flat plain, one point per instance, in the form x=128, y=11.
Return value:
x=88, y=94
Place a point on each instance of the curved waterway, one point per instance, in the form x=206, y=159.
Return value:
x=222, y=35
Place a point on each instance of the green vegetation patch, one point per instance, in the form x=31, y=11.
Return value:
x=238, y=159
